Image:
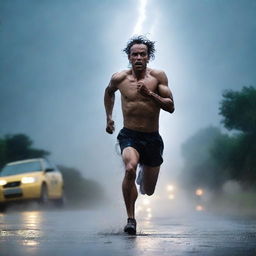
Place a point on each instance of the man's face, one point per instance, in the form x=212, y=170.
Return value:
x=139, y=57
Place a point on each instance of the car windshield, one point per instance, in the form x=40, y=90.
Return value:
x=20, y=168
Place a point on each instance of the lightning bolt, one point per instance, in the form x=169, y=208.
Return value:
x=142, y=17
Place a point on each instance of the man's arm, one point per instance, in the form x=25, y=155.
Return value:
x=109, y=100
x=165, y=98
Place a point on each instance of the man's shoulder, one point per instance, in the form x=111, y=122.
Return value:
x=159, y=75
x=156, y=72
x=118, y=77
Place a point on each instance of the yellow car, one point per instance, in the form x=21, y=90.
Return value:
x=30, y=179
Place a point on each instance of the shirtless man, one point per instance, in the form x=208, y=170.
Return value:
x=144, y=91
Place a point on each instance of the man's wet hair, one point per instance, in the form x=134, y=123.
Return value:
x=141, y=40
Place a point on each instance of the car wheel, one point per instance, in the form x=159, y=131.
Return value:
x=60, y=201
x=44, y=199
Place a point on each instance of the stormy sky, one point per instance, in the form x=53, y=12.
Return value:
x=57, y=57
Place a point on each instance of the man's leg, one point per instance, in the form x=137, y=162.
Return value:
x=131, y=159
x=150, y=176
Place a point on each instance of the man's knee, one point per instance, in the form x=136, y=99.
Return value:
x=130, y=171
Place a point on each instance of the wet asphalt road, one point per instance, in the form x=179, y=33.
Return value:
x=52, y=232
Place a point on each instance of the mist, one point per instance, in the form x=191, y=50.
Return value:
x=57, y=57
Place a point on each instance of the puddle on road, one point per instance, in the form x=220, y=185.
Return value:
x=34, y=231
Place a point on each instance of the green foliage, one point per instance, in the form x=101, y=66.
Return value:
x=80, y=191
x=18, y=147
x=239, y=110
x=237, y=154
x=211, y=157
x=2, y=152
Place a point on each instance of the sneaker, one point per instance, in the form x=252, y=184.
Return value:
x=130, y=227
x=139, y=181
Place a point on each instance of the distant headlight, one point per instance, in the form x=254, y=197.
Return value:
x=199, y=192
x=26, y=180
x=3, y=182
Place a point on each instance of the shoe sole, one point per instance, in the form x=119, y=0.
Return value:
x=130, y=231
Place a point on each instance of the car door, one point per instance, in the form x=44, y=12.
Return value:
x=58, y=188
x=55, y=182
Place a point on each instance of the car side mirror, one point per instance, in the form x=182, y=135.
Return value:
x=49, y=170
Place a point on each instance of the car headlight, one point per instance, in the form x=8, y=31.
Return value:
x=26, y=180
x=3, y=182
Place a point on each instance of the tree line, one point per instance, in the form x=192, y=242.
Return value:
x=18, y=147
x=213, y=157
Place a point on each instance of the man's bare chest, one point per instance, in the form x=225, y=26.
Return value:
x=129, y=87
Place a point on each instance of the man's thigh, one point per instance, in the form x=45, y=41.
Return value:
x=150, y=176
x=130, y=156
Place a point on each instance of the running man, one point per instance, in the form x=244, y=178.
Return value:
x=144, y=91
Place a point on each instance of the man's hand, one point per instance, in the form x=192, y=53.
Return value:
x=143, y=90
x=110, y=126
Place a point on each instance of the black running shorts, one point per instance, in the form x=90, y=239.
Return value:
x=150, y=145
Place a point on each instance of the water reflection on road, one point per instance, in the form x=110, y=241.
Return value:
x=96, y=233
